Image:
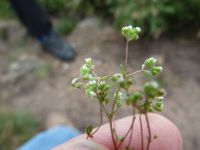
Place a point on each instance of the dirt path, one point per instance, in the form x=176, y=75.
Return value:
x=51, y=91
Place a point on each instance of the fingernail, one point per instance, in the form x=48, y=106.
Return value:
x=84, y=145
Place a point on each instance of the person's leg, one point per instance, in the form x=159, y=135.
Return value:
x=39, y=26
x=32, y=16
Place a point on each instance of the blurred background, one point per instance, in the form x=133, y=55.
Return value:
x=35, y=88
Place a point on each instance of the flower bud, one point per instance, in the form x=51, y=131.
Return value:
x=156, y=70
x=92, y=82
x=131, y=33
x=88, y=63
x=74, y=81
x=90, y=93
x=149, y=63
x=138, y=29
x=134, y=98
x=151, y=89
x=85, y=72
x=160, y=98
x=158, y=106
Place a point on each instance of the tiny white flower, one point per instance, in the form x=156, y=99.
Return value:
x=102, y=83
x=160, y=98
x=92, y=82
x=143, y=66
x=84, y=67
x=154, y=84
x=130, y=27
x=124, y=28
x=93, y=94
x=127, y=27
x=138, y=29
x=120, y=94
x=87, y=60
x=90, y=76
x=152, y=59
x=161, y=69
x=74, y=80
x=121, y=78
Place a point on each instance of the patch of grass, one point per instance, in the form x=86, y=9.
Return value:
x=64, y=26
x=6, y=11
x=16, y=128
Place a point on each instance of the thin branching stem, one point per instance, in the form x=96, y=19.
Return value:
x=100, y=123
x=129, y=130
x=133, y=73
x=95, y=74
x=126, y=57
x=105, y=110
x=110, y=118
x=112, y=132
x=149, y=130
x=131, y=133
x=142, y=134
x=114, y=103
x=113, y=110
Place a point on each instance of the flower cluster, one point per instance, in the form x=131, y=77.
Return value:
x=94, y=86
x=86, y=69
x=131, y=33
x=154, y=96
x=150, y=66
x=149, y=98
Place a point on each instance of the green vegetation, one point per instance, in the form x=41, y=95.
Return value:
x=5, y=10
x=64, y=25
x=16, y=128
x=155, y=16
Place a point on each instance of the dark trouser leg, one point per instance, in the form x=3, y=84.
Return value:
x=32, y=16
x=39, y=26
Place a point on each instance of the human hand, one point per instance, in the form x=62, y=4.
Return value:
x=168, y=136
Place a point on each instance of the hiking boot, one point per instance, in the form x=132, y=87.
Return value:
x=53, y=44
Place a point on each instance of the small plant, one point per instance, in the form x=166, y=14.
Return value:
x=113, y=91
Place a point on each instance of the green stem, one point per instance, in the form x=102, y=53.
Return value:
x=129, y=130
x=126, y=58
x=131, y=136
x=112, y=133
x=114, y=103
x=149, y=131
x=101, y=120
x=95, y=74
x=142, y=135
x=133, y=73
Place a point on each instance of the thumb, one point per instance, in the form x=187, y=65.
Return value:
x=81, y=145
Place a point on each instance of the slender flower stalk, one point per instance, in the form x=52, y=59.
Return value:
x=126, y=57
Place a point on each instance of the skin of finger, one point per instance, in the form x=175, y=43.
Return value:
x=168, y=135
x=81, y=144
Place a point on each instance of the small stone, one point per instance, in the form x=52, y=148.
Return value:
x=65, y=67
